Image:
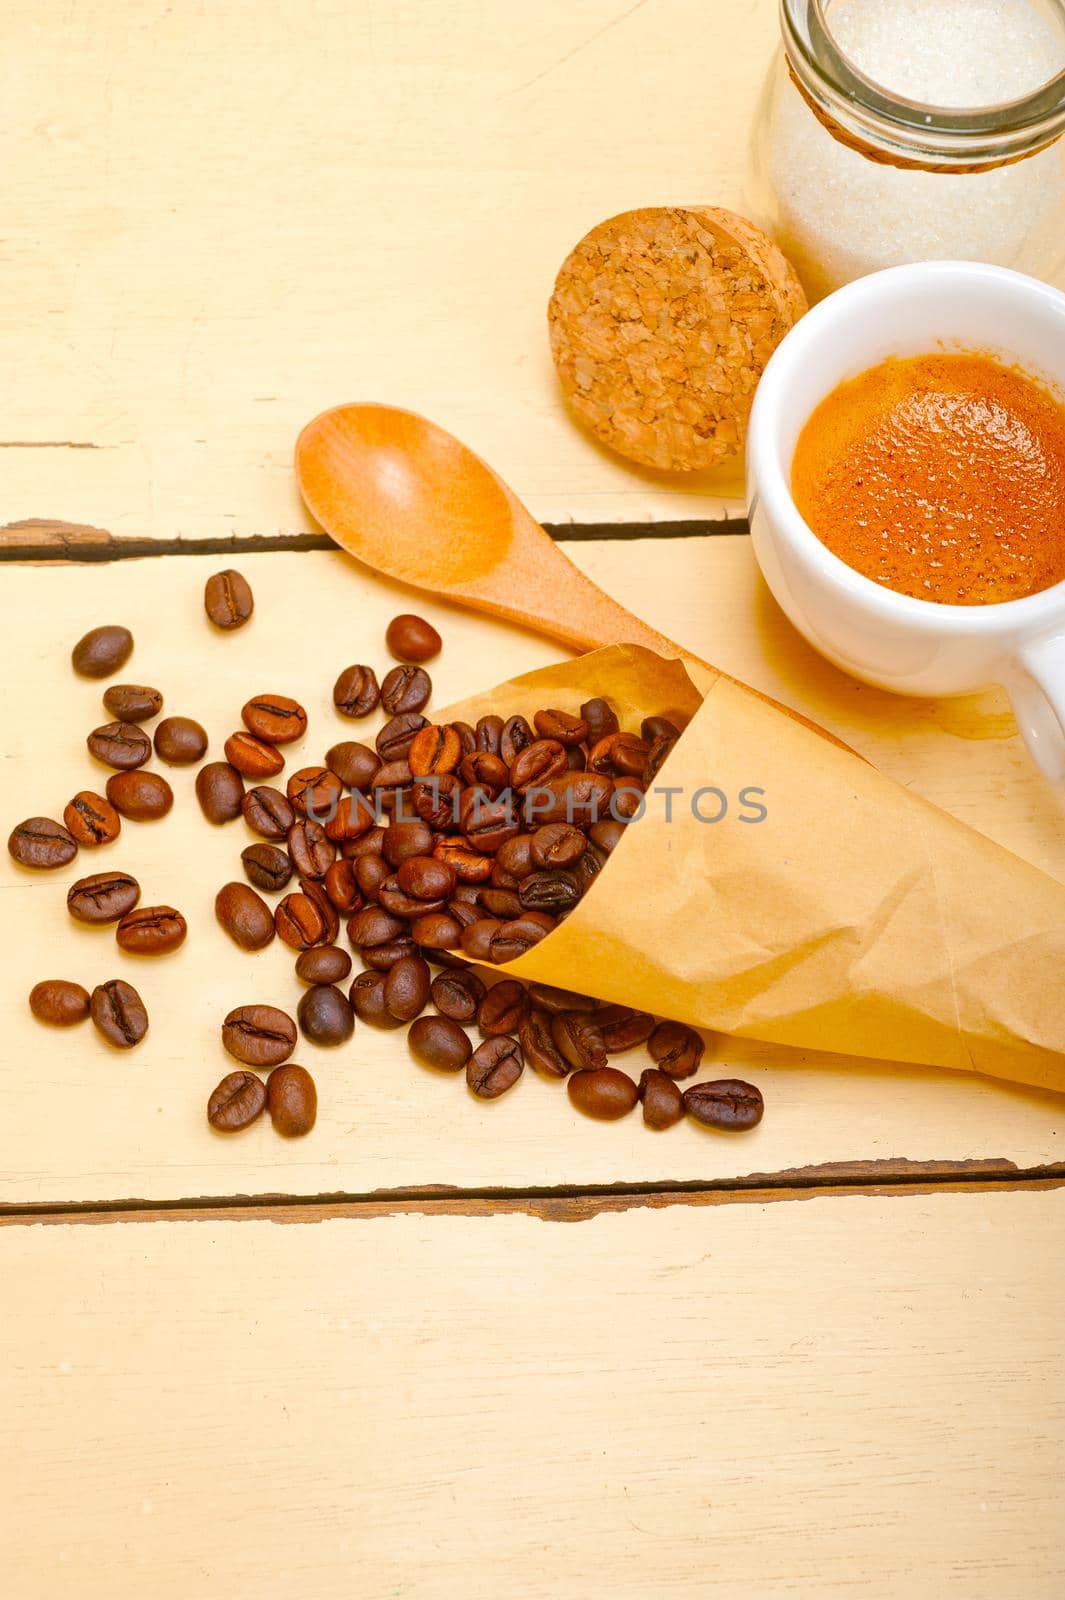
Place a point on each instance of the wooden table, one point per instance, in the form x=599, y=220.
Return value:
x=370, y=1364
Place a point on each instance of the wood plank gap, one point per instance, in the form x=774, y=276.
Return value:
x=41, y=540
x=559, y=1204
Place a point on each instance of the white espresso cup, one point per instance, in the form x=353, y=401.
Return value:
x=910, y=646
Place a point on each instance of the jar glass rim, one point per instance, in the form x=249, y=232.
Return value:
x=1009, y=128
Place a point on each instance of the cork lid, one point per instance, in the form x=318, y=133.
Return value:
x=662, y=321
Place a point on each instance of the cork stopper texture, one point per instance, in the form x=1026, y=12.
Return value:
x=662, y=321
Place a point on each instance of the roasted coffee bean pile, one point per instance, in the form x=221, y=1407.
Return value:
x=441, y=845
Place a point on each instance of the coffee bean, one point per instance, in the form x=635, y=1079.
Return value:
x=119, y=1014
x=372, y=926
x=299, y=922
x=152, y=930
x=292, y=1099
x=434, y=750
x=561, y=725
x=439, y=1043
x=91, y=820
x=488, y=733
x=494, y=1067
x=238, y=1100
x=555, y=891
x=620, y=755
x=602, y=1092
x=676, y=1049
x=325, y=963
x=325, y=1015
x=411, y=638
x=601, y=718
x=312, y=853
x=516, y=938
x=220, y=790
x=259, y=1036
x=179, y=741
x=579, y=798
x=608, y=834
x=371, y=873
x=244, y=915
x=425, y=878
x=515, y=856
x=253, y=757
x=120, y=744
x=476, y=939
x=383, y=957
x=141, y=796
x=728, y=1104
x=227, y=599
x=342, y=886
x=516, y=734
x=274, y=718
x=657, y=756
x=503, y=1009
x=59, y=1002
x=405, y=689
x=652, y=728
x=663, y=1103
x=103, y=897
x=102, y=651
x=467, y=737
x=367, y=996
x=555, y=1001
x=356, y=692
x=132, y=702
x=500, y=902
x=354, y=816
x=392, y=897
x=437, y=930
x=484, y=771
x=576, y=1039
x=396, y=737
x=407, y=988
x=314, y=889
x=621, y=1028
x=469, y=866
x=457, y=995
x=354, y=764
x=537, y=762
x=267, y=812
x=557, y=845
x=541, y=1052
x=266, y=866
x=405, y=839
x=315, y=792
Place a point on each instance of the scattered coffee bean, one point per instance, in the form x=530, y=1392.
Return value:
x=151, y=931
x=299, y=922
x=91, y=820
x=179, y=741
x=227, y=599
x=238, y=1100
x=729, y=1104
x=132, y=702
x=119, y=1013
x=220, y=790
x=405, y=689
x=253, y=757
x=120, y=744
x=102, y=651
x=267, y=866
x=325, y=963
x=315, y=792
x=541, y=1052
x=141, y=796
x=356, y=692
x=577, y=1041
x=311, y=851
x=314, y=889
x=292, y=1099
x=407, y=988
x=663, y=1103
x=494, y=1067
x=394, y=740
x=620, y=1028
x=325, y=1015
x=245, y=916
x=104, y=897
x=356, y=765
x=676, y=1049
x=602, y=1092
x=259, y=1036
x=411, y=638
x=59, y=1002
x=439, y=1043
x=342, y=886
x=274, y=718
x=503, y=1008
x=367, y=996
x=652, y=728
x=457, y=995
x=267, y=812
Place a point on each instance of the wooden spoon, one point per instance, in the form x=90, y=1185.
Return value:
x=413, y=502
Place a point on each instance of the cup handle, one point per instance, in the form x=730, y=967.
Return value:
x=1036, y=689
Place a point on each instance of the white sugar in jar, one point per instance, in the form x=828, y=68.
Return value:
x=914, y=130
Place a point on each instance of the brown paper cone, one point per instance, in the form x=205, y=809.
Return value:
x=855, y=918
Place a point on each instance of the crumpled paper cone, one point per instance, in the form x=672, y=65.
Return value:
x=855, y=917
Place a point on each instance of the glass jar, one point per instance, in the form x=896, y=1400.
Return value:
x=850, y=175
